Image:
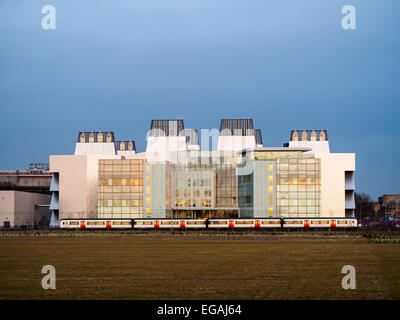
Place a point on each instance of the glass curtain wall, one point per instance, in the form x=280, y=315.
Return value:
x=298, y=187
x=120, y=189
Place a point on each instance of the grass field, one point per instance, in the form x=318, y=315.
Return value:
x=116, y=267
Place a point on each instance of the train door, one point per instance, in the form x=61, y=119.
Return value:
x=257, y=224
x=182, y=224
x=306, y=223
x=83, y=224
x=108, y=224
x=333, y=223
x=156, y=224
x=231, y=224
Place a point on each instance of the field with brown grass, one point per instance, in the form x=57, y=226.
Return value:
x=160, y=267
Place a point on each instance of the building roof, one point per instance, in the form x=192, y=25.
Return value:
x=269, y=149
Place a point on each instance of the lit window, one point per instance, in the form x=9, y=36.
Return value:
x=148, y=169
x=148, y=201
x=148, y=179
x=270, y=189
x=116, y=182
x=270, y=211
x=148, y=190
x=270, y=200
x=270, y=179
x=148, y=211
x=270, y=168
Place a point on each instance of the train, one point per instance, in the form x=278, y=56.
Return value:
x=211, y=224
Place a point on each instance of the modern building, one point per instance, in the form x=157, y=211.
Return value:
x=179, y=177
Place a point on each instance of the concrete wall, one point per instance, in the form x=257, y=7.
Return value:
x=78, y=175
x=333, y=167
x=18, y=207
x=72, y=185
x=7, y=207
x=236, y=143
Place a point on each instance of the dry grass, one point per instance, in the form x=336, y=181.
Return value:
x=131, y=268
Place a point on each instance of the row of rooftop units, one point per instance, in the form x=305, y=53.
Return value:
x=174, y=128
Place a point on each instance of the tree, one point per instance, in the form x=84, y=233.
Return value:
x=363, y=206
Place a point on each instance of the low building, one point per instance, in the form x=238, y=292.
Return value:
x=390, y=205
x=22, y=209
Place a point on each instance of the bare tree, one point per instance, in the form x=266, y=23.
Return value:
x=363, y=206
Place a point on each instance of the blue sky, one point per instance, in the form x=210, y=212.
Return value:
x=288, y=64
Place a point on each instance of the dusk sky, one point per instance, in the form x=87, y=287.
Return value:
x=288, y=64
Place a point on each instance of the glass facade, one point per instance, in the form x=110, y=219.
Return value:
x=277, y=184
x=202, y=190
x=226, y=186
x=298, y=187
x=120, y=189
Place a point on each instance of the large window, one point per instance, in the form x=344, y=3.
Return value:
x=120, y=188
x=298, y=187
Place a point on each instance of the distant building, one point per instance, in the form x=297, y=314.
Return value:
x=176, y=178
x=24, y=196
x=22, y=209
x=375, y=208
x=390, y=204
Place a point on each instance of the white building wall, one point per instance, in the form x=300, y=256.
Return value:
x=316, y=146
x=161, y=149
x=333, y=194
x=78, y=178
x=236, y=143
x=95, y=148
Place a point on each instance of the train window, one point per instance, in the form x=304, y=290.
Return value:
x=270, y=222
x=121, y=223
x=195, y=222
x=219, y=222
x=341, y=221
x=244, y=222
x=144, y=223
x=294, y=222
x=318, y=222
x=74, y=223
x=169, y=222
x=95, y=223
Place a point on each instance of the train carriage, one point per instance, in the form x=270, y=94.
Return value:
x=244, y=223
x=170, y=224
x=319, y=223
x=270, y=223
x=196, y=224
x=96, y=223
x=220, y=223
x=144, y=224
x=295, y=223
